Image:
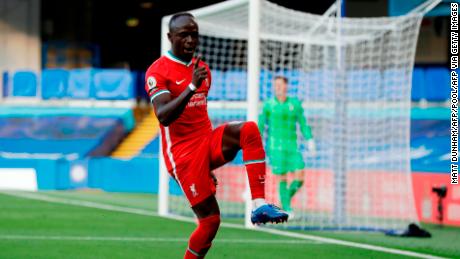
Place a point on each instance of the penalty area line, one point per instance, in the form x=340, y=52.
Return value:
x=96, y=205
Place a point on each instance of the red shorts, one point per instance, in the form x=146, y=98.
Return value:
x=194, y=172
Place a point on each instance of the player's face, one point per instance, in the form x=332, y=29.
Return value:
x=280, y=89
x=184, y=39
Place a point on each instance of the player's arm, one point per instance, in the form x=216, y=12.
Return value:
x=167, y=109
x=305, y=129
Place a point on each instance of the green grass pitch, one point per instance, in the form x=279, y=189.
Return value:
x=68, y=226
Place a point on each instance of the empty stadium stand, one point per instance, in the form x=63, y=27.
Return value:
x=139, y=138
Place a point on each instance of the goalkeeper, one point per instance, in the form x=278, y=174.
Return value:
x=281, y=114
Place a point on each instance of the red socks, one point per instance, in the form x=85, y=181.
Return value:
x=254, y=158
x=201, y=239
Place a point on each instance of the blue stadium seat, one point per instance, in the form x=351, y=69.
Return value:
x=437, y=81
x=235, y=85
x=113, y=84
x=418, y=84
x=393, y=79
x=266, y=84
x=318, y=85
x=364, y=85
x=80, y=84
x=217, y=91
x=25, y=84
x=54, y=83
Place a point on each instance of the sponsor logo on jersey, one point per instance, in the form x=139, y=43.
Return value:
x=197, y=100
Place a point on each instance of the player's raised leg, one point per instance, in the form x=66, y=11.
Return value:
x=246, y=136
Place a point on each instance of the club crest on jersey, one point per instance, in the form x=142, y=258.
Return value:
x=151, y=82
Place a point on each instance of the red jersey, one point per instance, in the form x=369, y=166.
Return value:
x=169, y=74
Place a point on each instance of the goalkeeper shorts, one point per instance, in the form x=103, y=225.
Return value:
x=285, y=161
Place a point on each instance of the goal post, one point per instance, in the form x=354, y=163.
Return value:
x=353, y=79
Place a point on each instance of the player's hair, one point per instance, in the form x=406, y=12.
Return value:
x=282, y=78
x=175, y=17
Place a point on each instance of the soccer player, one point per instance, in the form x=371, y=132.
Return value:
x=178, y=85
x=283, y=113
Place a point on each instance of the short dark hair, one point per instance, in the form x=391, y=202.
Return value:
x=282, y=78
x=175, y=17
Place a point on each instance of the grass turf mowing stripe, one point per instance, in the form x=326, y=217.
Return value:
x=152, y=239
x=44, y=197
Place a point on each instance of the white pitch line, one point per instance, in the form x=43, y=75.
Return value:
x=43, y=197
x=153, y=239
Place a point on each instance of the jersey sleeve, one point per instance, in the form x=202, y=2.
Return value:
x=155, y=84
x=304, y=127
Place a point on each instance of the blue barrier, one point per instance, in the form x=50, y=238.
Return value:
x=54, y=83
x=80, y=84
x=113, y=84
x=418, y=84
x=438, y=80
x=152, y=147
x=49, y=176
x=113, y=175
x=139, y=174
x=24, y=84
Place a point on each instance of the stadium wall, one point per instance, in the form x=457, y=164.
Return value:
x=139, y=174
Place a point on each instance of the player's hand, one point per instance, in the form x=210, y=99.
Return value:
x=199, y=73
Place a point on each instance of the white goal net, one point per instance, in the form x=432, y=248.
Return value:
x=353, y=79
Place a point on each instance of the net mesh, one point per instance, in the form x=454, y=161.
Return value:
x=352, y=78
